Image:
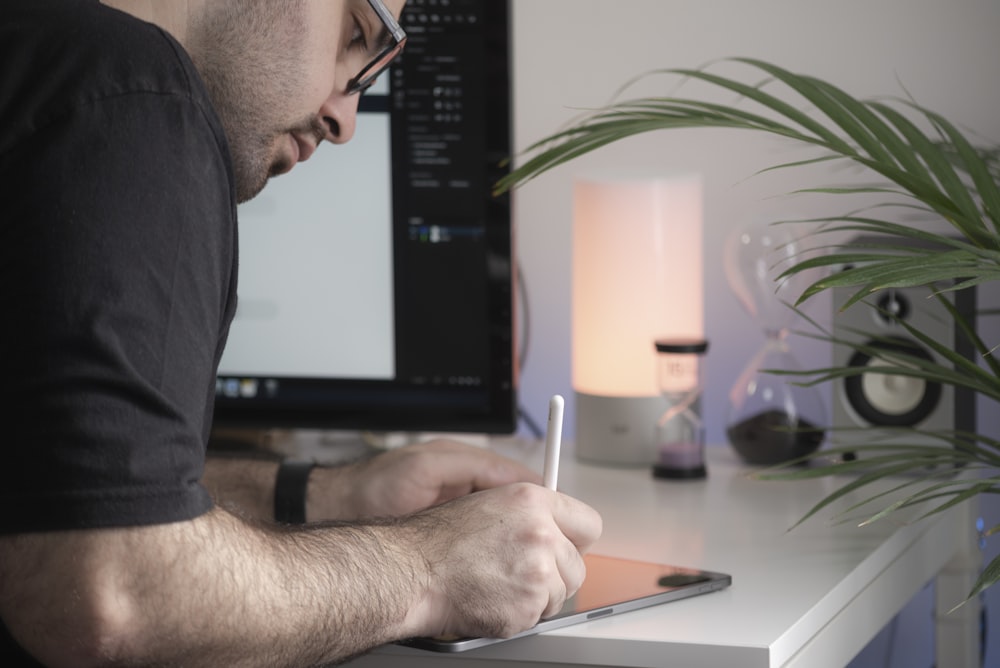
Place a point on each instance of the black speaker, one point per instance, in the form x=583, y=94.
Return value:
x=871, y=404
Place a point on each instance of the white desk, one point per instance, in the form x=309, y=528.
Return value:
x=811, y=597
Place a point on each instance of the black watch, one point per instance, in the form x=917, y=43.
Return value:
x=290, y=491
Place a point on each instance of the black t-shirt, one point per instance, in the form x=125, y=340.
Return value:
x=117, y=270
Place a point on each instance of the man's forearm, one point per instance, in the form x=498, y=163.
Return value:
x=209, y=592
x=242, y=485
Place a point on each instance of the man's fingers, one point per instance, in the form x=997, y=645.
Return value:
x=460, y=464
x=572, y=572
x=580, y=523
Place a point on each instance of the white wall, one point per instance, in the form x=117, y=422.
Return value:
x=575, y=53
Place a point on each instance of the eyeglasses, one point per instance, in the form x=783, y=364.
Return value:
x=396, y=39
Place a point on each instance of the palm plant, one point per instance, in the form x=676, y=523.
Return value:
x=924, y=164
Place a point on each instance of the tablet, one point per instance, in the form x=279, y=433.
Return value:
x=612, y=586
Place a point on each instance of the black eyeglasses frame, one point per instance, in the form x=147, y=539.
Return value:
x=367, y=76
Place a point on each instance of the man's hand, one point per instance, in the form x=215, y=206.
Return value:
x=409, y=479
x=500, y=560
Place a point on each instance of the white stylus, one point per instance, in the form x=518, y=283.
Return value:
x=553, y=442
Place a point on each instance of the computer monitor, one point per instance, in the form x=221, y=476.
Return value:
x=375, y=288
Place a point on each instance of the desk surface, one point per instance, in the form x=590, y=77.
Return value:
x=813, y=596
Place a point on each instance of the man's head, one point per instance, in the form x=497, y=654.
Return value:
x=278, y=71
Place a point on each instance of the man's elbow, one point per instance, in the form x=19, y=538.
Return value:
x=62, y=609
x=87, y=630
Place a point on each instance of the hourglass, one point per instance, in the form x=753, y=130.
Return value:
x=771, y=418
x=680, y=430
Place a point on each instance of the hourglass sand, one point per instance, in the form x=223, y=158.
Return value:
x=771, y=419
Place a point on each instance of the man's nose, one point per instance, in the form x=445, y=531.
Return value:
x=340, y=114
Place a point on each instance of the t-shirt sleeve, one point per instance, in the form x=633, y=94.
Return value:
x=116, y=262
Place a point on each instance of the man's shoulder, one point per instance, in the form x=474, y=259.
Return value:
x=56, y=55
x=86, y=33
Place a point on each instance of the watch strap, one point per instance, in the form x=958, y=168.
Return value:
x=290, y=490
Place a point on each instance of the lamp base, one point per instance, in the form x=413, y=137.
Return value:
x=617, y=430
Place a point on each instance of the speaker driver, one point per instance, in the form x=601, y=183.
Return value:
x=893, y=306
x=886, y=399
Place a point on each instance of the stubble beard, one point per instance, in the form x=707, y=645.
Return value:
x=248, y=55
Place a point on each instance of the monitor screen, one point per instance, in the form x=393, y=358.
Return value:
x=375, y=287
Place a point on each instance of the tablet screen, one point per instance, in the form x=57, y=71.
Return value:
x=613, y=586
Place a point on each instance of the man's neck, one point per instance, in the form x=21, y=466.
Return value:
x=172, y=16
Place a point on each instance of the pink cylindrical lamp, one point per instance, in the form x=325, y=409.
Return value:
x=637, y=277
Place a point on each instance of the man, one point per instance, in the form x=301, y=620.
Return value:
x=127, y=135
